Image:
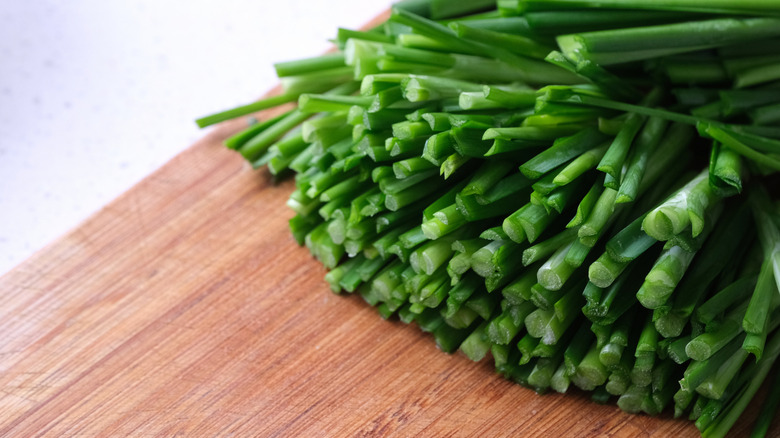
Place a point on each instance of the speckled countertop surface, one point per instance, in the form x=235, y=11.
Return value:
x=95, y=95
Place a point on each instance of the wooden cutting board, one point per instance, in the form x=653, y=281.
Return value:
x=185, y=307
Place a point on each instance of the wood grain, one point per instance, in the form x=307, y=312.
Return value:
x=185, y=307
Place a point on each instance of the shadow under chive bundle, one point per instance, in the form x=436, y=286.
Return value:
x=583, y=194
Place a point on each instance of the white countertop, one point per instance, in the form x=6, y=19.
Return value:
x=95, y=95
